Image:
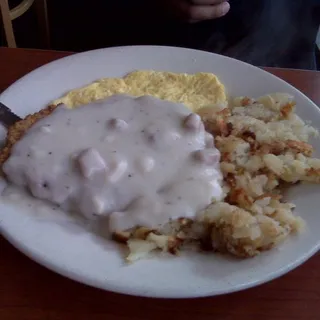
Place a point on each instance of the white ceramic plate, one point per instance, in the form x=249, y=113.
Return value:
x=64, y=246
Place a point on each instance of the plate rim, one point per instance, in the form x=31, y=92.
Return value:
x=132, y=292
x=196, y=51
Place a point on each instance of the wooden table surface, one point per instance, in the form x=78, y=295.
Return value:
x=29, y=291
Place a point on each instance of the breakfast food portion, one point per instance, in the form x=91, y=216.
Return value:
x=194, y=90
x=168, y=162
x=140, y=161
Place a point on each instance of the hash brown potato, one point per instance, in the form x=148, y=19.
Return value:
x=264, y=149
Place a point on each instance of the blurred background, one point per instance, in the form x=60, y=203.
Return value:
x=78, y=25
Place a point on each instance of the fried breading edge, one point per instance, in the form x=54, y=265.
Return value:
x=17, y=130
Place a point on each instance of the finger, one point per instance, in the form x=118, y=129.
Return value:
x=207, y=12
x=206, y=2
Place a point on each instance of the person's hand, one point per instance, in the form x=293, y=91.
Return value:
x=197, y=10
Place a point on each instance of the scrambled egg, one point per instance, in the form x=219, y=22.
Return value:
x=194, y=90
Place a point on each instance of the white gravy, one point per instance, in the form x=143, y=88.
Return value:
x=140, y=161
